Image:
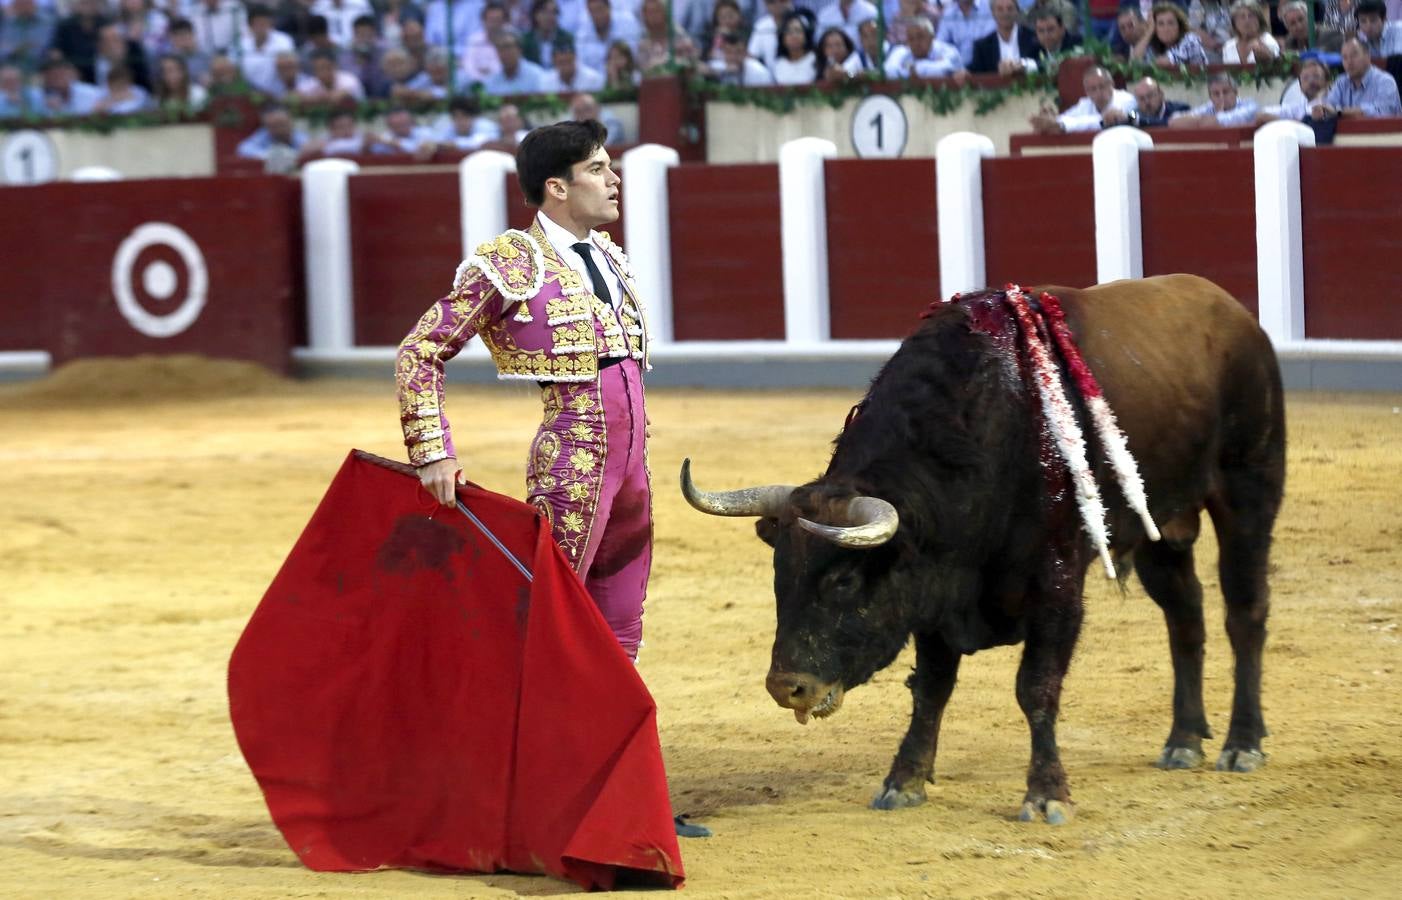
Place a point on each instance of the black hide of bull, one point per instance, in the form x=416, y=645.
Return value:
x=990, y=549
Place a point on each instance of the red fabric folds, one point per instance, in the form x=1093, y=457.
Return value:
x=405, y=698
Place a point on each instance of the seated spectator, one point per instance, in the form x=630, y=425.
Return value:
x=175, y=89
x=1384, y=38
x=293, y=17
x=76, y=37
x=963, y=22
x=180, y=39
x=319, y=41
x=725, y=16
x=837, y=56
x=343, y=137
x=465, y=128
x=399, y=83
x=432, y=82
x=60, y=93
x=1170, y=42
x=602, y=27
x=512, y=125
x=26, y=31
x=924, y=56
x=1362, y=91
x=276, y=132
x=844, y=14
x=662, y=41
x=14, y=99
x=217, y=24
x=517, y=75
x=403, y=135
x=329, y=82
x=224, y=76
x=1295, y=16
x=122, y=96
x=1053, y=40
x=466, y=15
x=1152, y=109
x=479, y=60
x=908, y=11
x=113, y=50
x=288, y=78
x=764, y=36
x=1008, y=48
x=1211, y=21
x=340, y=16
x=797, y=61
x=414, y=42
x=1102, y=106
x=260, y=46
x=621, y=71
x=870, y=48
x=1130, y=32
x=392, y=16
x=364, y=55
x=538, y=44
x=585, y=108
x=1251, y=36
x=1305, y=92
x=737, y=67
x=567, y=76
x=1225, y=109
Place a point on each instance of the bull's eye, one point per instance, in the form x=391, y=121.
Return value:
x=840, y=584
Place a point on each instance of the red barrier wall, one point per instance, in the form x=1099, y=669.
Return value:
x=1199, y=215
x=1351, y=212
x=1039, y=221
x=406, y=243
x=108, y=255
x=727, y=273
x=883, y=245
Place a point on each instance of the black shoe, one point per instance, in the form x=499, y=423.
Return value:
x=689, y=829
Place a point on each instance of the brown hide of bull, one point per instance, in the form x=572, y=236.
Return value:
x=990, y=548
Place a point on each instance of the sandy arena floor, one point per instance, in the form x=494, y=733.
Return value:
x=144, y=508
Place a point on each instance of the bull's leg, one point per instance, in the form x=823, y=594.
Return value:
x=936, y=667
x=1166, y=570
x=1052, y=629
x=1243, y=515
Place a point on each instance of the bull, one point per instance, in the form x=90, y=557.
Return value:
x=943, y=516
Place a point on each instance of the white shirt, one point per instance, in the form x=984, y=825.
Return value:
x=585, y=79
x=942, y=61
x=564, y=242
x=1232, y=56
x=799, y=71
x=764, y=40
x=1085, y=117
x=831, y=17
x=258, y=62
x=340, y=20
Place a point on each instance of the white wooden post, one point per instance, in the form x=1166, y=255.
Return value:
x=959, y=207
x=326, y=229
x=803, y=214
x=1119, y=226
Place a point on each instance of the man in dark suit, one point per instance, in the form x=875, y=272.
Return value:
x=1004, y=49
x=1052, y=36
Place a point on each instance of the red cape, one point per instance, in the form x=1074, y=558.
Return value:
x=405, y=698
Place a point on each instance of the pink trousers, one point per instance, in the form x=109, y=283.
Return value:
x=588, y=475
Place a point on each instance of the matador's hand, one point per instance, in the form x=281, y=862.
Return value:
x=440, y=479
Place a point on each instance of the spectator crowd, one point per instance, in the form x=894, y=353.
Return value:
x=86, y=57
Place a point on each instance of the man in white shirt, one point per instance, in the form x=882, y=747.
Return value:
x=736, y=66
x=1102, y=106
x=566, y=75
x=922, y=56
x=845, y=14
x=604, y=26
x=340, y=18
x=963, y=22
x=764, y=37
x=217, y=23
x=260, y=46
x=1224, y=110
x=329, y=82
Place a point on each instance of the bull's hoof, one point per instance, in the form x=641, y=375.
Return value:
x=897, y=798
x=1240, y=760
x=1179, y=758
x=1056, y=812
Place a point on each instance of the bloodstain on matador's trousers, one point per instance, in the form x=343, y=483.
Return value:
x=587, y=474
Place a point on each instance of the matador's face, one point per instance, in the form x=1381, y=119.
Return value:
x=593, y=190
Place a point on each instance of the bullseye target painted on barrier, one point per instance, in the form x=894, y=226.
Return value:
x=159, y=280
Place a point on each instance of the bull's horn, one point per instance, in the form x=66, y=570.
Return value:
x=875, y=523
x=768, y=500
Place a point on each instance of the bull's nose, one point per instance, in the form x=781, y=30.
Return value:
x=792, y=690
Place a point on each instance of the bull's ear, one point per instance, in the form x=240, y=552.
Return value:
x=768, y=529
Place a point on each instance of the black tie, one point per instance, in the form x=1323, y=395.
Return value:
x=601, y=288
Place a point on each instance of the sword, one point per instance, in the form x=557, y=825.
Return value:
x=496, y=542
